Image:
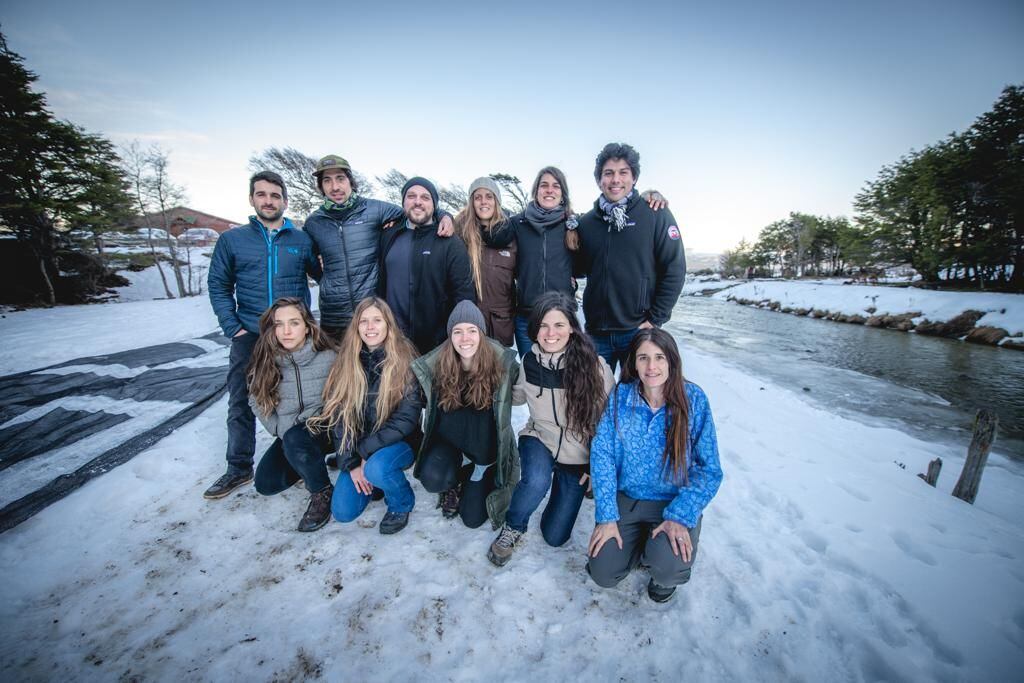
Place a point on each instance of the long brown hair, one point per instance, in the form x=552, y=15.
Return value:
x=572, y=240
x=583, y=381
x=263, y=375
x=457, y=387
x=346, y=387
x=677, y=408
x=468, y=226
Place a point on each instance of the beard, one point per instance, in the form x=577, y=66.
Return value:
x=426, y=218
x=270, y=215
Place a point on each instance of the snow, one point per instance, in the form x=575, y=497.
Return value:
x=701, y=284
x=1001, y=310
x=820, y=559
x=147, y=285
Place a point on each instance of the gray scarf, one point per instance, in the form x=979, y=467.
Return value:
x=544, y=218
x=615, y=214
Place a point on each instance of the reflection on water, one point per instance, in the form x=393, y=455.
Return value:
x=928, y=386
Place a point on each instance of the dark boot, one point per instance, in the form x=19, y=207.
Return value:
x=227, y=483
x=319, y=511
x=393, y=522
x=659, y=593
x=449, y=502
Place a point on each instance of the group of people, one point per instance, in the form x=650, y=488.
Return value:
x=411, y=364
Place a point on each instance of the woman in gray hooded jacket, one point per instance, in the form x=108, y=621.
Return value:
x=286, y=377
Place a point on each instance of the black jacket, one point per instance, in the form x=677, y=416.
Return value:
x=402, y=425
x=544, y=263
x=440, y=278
x=348, y=241
x=633, y=276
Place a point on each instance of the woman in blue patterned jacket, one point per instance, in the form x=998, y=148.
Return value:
x=654, y=463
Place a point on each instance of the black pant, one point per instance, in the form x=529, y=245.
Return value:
x=440, y=468
x=241, y=421
x=298, y=455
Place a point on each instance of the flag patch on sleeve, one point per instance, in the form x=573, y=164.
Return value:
x=673, y=232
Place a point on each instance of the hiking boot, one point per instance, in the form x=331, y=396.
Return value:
x=504, y=545
x=659, y=593
x=318, y=512
x=227, y=483
x=448, y=501
x=393, y=522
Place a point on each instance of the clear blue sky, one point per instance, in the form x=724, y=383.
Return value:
x=741, y=112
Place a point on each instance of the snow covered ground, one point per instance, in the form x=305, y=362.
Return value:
x=1001, y=310
x=820, y=559
x=699, y=284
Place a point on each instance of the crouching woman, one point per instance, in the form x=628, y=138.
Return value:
x=654, y=463
x=372, y=403
x=286, y=377
x=469, y=453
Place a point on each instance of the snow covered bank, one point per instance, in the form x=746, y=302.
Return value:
x=983, y=317
x=820, y=559
x=702, y=285
x=44, y=336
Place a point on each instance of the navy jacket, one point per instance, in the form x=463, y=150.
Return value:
x=633, y=276
x=348, y=241
x=250, y=269
x=544, y=262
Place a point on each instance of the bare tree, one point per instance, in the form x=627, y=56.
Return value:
x=165, y=195
x=296, y=169
x=513, y=188
x=135, y=161
x=391, y=184
x=452, y=198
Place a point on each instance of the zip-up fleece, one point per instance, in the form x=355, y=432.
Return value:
x=633, y=275
x=349, y=241
x=541, y=387
x=250, y=269
x=627, y=456
x=300, y=394
x=441, y=278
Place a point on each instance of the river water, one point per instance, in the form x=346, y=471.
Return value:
x=927, y=386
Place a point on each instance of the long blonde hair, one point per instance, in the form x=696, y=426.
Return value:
x=457, y=387
x=468, y=227
x=346, y=387
x=262, y=374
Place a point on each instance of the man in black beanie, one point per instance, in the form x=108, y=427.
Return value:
x=346, y=230
x=423, y=276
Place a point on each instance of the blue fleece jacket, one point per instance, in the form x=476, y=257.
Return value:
x=252, y=267
x=626, y=455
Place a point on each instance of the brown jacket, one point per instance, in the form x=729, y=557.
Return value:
x=540, y=386
x=498, y=272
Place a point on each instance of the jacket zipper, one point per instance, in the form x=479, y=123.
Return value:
x=298, y=384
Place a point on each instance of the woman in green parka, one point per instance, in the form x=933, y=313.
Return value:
x=468, y=455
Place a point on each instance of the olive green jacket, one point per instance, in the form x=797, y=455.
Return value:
x=507, y=475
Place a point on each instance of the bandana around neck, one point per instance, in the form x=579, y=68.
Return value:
x=347, y=204
x=615, y=214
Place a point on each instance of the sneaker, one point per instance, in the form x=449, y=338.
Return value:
x=227, y=483
x=448, y=501
x=393, y=522
x=659, y=593
x=318, y=512
x=504, y=545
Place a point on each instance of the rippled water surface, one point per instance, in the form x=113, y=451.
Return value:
x=929, y=386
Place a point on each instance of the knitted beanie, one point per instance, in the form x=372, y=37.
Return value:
x=466, y=312
x=425, y=184
x=485, y=183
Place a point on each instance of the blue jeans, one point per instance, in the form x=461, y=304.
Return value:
x=241, y=421
x=613, y=347
x=523, y=341
x=563, y=506
x=383, y=470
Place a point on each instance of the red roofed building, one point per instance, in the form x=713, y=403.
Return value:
x=181, y=218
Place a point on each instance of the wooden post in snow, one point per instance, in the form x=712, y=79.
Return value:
x=934, y=467
x=977, y=455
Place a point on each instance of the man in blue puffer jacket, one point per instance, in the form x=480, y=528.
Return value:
x=346, y=232
x=252, y=266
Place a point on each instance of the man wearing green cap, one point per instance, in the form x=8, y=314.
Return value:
x=346, y=231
